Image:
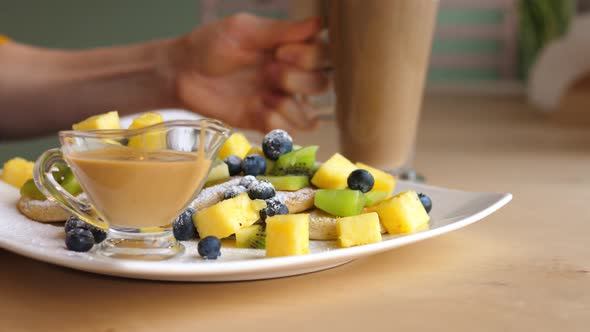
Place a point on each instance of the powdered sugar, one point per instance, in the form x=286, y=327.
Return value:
x=212, y=195
x=248, y=181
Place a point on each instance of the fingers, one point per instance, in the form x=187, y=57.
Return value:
x=292, y=80
x=306, y=56
x=253, y=32
x=289, y=114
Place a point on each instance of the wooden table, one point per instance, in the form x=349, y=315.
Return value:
x=525, y=268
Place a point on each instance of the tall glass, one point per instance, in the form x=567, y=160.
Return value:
x=136, y=181
x=380, y=50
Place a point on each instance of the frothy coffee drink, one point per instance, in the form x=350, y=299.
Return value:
x=380, y=50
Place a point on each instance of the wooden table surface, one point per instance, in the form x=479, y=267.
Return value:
x=525, y=268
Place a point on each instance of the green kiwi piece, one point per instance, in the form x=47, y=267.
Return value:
x=340, y=202
x=30, y=190
x=287, y=182
x=375, y=196
x=299, y=162
x=251, y=237
x=62, y=170
x=70, y=184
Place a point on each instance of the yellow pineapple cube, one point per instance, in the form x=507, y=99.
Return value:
x=17, y=171
x=256, y=150
x=145, y=120
x=357, y=230
x=236, y=144
x=287, y=235
x=108, y=120
x=147, y=141
x=383, y=180
x=403, y=213
x=333, y=174
x=226, y=217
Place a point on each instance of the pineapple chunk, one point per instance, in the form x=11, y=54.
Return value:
x=287, y=235
x=17, y=171
x=236, y=144
x=333, y=174
x=383, y=180
x=108, y=120
x=403, y=213
x=256, y=150
x=357, y=230
x=145, y=120
x=147, y=141
x=226, y=217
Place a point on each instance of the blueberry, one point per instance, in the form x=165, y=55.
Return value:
x=273, y=207
x=79, y=239
x=254, y=164
x=183, y=227
x=283, y=209
x=248, y=181
x=75, y=222
x=233, y=191
x=361, y=179
x=209, y=247
x=261, y=190
x=276, y=143
x=426, y=202
x=99, y=234
x=234, y=164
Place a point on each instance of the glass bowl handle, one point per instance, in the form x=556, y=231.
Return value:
x=54, y=191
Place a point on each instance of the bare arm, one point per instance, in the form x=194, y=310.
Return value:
x=42, y=91
x=243, y=70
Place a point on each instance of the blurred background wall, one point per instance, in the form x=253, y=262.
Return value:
x=477, y=41
x=89, y=23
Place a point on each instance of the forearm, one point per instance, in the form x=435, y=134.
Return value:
x=42, y=91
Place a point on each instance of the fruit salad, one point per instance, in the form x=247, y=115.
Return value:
x=274, y=197
x=350, y=203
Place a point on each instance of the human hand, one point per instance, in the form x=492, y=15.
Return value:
x=247, y=71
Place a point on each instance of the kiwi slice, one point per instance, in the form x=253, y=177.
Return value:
x=219, y=173
x=299, y=162
x=70, y=184
x=60, y=174
x=30, y=190
x=251, y=237
x=375, y=196
x=340, y=202
x=287, y=182
x=65, y=177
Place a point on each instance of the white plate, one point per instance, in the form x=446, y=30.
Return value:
x=452, y=209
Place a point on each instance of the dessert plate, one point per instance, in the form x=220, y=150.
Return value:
x=452, y=209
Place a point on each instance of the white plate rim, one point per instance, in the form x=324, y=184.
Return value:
x=216, y=269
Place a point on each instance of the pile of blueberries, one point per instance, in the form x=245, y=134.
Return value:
x=275, y=144
x=81, y=236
